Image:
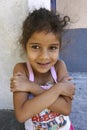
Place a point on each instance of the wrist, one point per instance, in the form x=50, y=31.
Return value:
x=27, y=87
x=58, y=88
x=35, y=89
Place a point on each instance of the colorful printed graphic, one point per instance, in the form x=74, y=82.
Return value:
x=48, y=120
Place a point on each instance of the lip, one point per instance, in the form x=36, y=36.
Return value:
x=44, y=64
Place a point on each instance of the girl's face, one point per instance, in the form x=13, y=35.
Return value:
x=42, y=51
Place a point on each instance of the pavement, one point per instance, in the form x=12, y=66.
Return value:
x=79, y=109
x=78, y=115
x=8, y=121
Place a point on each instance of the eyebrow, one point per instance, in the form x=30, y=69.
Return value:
x=55, y=44
x=36, y=43
x=33, y=43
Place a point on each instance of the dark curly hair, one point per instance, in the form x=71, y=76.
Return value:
x=43, y=20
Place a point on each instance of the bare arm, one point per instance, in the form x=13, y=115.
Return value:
x=63, y=104
x=26, y=108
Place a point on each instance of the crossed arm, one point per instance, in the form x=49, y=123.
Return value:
x=58, y=98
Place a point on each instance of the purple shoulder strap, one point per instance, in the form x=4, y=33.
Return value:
x=31, y=75
x=53, y=72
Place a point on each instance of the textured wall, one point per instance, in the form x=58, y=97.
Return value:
x=76, y=9
x=74, y=52
x=38, y=3
x=12, y=13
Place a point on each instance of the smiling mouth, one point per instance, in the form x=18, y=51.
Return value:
x=44, y=64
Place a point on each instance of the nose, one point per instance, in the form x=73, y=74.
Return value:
x=44, y=55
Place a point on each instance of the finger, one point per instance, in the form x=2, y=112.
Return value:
x=11, y=79
x=69, y=78
x=72, y=97
x=11, y=86
x=12, y=90
x=19, y=74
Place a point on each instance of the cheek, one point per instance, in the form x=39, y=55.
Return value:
x=31, y=55
x=55, y=56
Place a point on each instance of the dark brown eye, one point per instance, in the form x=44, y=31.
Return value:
x=35, y=47
x=53, y=48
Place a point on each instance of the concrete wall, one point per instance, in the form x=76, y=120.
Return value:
x=12, y=13
x=74, y=51
x=76, y=9
x=39, y=3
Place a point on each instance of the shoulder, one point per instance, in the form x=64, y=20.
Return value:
x=60, y=64
x=61, y=69
x=20, y=67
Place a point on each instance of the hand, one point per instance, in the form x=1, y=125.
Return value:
x=19, y=82
x=66, y=89
x=69, y=79
x=66, y=79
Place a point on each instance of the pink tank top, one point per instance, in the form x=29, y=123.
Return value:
x=53, y=73
x=47, y=120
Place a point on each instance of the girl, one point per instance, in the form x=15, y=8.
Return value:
x=41, y=88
